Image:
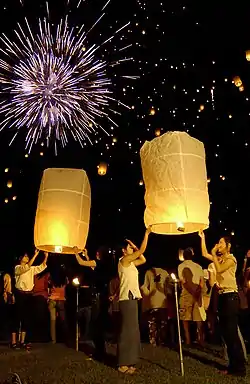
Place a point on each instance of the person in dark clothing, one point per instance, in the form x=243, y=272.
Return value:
x=102, y=267
x=40, y=307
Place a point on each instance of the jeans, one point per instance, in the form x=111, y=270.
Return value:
x=228, y=317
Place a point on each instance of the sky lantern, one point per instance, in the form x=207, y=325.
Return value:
x=237, y=81
x=102, y=169
x=152, y=111
x=175, y=178
x=202, y=107
x=248, y=55
x=6, y=170
x=158, y=132
x=63, y=211
x=241, y=88
x=9, y=184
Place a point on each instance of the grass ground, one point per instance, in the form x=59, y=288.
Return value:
x=57, y=364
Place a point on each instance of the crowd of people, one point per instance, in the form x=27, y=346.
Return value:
x=114, y=307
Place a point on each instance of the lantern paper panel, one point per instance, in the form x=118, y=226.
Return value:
x=175, y=178
x=63, y=211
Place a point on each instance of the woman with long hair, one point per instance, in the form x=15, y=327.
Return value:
x=129, y=338
x=228, y=305
x=24, y=275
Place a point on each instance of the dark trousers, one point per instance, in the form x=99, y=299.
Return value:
x=99, y=317
x=85, y=323
x=40, y=329
x=228, y=317
x=23, y=308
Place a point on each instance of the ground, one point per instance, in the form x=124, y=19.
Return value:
x=57, y=364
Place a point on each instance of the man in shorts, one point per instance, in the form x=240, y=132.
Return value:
x=191, y=302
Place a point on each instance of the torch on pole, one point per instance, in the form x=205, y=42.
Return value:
x=178, y=322
x=76, y=283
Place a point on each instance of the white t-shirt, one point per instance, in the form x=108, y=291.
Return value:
x=129, y=281
x=195, y=268
x=24, y=275
x=155, y=293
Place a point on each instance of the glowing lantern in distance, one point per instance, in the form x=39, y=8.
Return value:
x=248, y=55
x=102, y=169
x=158, y=132
x=9, y=184
x=237, y=81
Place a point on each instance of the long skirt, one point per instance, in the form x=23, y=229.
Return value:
x=129, y=339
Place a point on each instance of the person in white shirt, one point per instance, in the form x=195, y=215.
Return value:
x=191, y=303
x=154, y=303
x=129, y=338
x=228, y=305
x=24, y=276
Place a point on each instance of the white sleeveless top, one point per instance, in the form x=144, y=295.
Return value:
x=128, y=281
x=226, y=281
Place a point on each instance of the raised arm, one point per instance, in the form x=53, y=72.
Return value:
x=204, y=247
x=137, y=255
x=221, y=267
x=40, y=268
x=84, y=263
x=31, y=262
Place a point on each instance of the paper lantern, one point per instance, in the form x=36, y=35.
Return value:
x=102, y=169
x=152, y=111
x=241, y=88
x=248, y=55
x=63, y=211
x=9, y=184
x=237, y=81
x=202, y=107
x=158, y=132
x=175, y=178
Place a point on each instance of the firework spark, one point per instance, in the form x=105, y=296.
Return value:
x=57, y=86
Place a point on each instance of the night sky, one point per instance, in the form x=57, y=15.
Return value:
x=186, y=57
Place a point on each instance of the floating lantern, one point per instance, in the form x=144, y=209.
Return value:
x=202, y=107
x=6, y=201
x=102, y=169
x=158, y=132
x=237, y=81
x=141, y=182
x=175, y=178
x=248, y=55
x=6, y=170
x=9, y=184
x=152, y=111
x=14, y=198
x=181, y=255
x=241, y=88
x=63, y=211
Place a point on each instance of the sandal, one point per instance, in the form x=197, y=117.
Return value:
x=126, y=370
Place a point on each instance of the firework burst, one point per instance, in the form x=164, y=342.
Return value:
x=54, y=85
